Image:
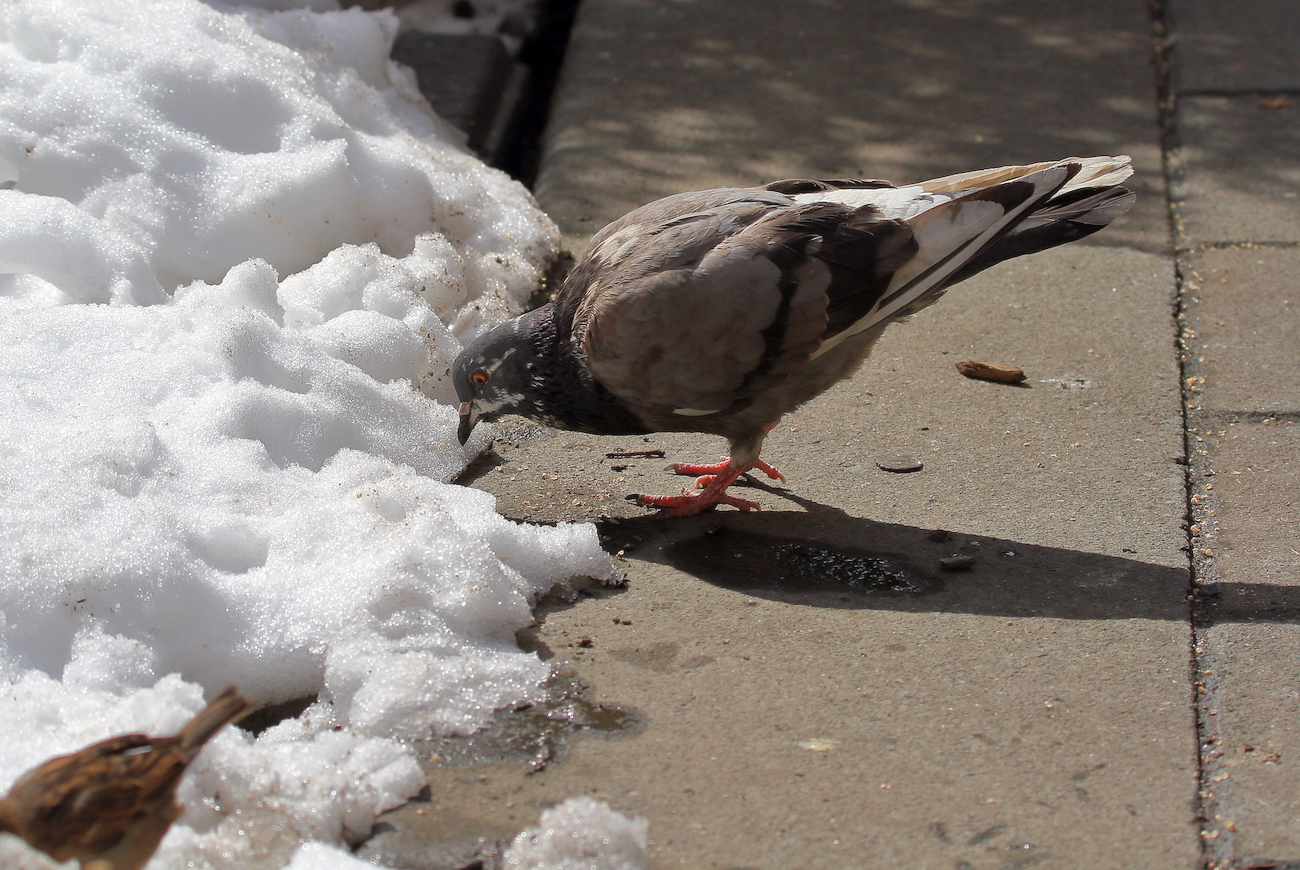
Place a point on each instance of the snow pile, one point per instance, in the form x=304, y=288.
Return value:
x=17, y=855
x=581, y=834
x=243, y=507
x=236, y=257
x=156, y=143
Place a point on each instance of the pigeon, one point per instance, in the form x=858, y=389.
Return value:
x=719, y=311
x=109, y=804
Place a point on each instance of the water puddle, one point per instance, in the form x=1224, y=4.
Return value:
x=536, y=734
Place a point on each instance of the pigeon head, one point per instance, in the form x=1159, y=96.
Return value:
x=492, y=373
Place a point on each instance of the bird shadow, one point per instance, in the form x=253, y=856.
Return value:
x=823, y=557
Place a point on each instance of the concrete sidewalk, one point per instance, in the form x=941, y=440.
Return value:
x=1236, y=177
x=814, y=691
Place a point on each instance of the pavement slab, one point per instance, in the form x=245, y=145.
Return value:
x=1249, y=512
x=1245, y=313
x=1253, y=730
x=813, y=689
x=1235, y=45
x=658, y=98
x=961, y=716
x=1247, y=529
x=1005, y=658
x=1237, y=225
x=1240, y=158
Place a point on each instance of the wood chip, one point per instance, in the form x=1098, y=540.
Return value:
x=628, y=454
x=986, y=371
x=1275, y=103
x=899, y=464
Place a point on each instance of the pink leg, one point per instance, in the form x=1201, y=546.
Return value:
x=714, y=468
x=713, y=489
x=688, y=504
x=712, y=483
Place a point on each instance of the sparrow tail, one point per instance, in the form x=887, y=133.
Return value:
x=229, y=706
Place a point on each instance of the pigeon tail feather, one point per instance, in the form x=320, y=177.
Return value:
x=951, y=234
x=1066, y=217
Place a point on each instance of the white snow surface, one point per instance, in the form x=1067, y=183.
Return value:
x=236, y=257
x=17, y=855
x=581, y=834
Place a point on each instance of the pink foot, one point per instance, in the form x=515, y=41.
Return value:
x=713, y=485
x=714, y=468
x=688, y=504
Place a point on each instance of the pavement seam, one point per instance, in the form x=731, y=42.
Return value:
x=1240, y=92
x=1214, y=806
x=1212, y=798
x=1228, y=246
x=1243, y=416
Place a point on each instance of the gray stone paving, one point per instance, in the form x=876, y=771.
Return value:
x=1116, y=682
x=1234, y=167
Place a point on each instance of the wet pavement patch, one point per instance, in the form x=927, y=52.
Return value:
x=535, y=734
x=750, y=562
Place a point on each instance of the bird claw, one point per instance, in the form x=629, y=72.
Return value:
x=710, y=489
x=690, y=504
x=743, y=504
x=769, y=470
x=712, y=469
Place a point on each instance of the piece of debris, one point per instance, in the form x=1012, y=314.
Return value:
x=957, y=562
x=985, y=371
x=899, y=464
x=628, y=454
x=1276, y=103
x=939, y=536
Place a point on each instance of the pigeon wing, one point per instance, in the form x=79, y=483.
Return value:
x=738, y=308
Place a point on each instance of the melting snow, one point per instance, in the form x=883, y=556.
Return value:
x=237, y=257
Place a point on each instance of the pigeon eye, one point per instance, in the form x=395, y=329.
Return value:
x=478, y=378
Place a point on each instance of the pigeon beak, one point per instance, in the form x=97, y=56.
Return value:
x=467, y=422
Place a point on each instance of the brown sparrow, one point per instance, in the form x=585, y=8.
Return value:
x=109, y=805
